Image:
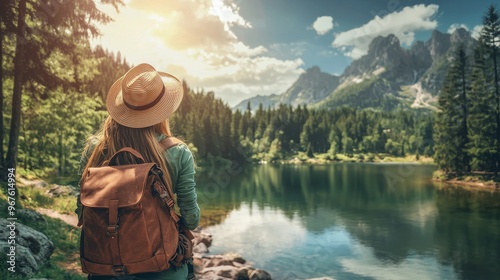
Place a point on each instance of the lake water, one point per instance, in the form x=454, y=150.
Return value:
x=352, y=221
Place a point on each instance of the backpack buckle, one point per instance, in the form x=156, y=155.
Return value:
x=170, y=203
x=163, y=194
x=119, y=270
x=112, y=230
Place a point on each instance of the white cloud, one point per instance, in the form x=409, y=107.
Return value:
x=242, y=77
x=193, y=40
x=456, y=26
x=403, y=24
x=228, y=14
x=323, y=24
x=275, y=231
x=476, y=31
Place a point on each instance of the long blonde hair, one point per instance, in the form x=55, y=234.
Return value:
x=113, y=136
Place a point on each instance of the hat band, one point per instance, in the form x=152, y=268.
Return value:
x=147, y=106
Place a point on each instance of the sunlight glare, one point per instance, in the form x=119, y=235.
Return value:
x=227, y=14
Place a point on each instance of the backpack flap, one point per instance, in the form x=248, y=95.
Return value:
x=124, y=183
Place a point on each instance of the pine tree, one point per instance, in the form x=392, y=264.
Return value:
x=491, y=37
x=245, y=121
x=451, y=125
x=446, y=148
x=6, y=26
x=461, y=66
x=482, y=124
x=309, y=150
x=53, y=28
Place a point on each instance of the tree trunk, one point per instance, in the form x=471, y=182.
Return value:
x=497, y=94
x=15, y=124
x=60, y=168
x=2, y=158
x=466, y=163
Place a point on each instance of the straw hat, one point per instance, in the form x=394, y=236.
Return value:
x=143, y=97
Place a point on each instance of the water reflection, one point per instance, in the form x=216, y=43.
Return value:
x=354, y=221
x=468, y=231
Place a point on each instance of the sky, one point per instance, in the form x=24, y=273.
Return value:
x=242, y=48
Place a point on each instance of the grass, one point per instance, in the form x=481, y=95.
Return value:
x=64, y=262
x=479, y=179
x=357, y=157
x=38, y=198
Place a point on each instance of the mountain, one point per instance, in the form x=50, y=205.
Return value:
x=387, y=77
x=441, y=47
x=267, y=101
x=311, y=87
x=386, y=58
x=438, y=45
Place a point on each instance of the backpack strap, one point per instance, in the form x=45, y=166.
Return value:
x=126, y=150
x=166, y=193
x=169, y=142
x=166, y=144
x=112, y=233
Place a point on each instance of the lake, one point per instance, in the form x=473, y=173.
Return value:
x=352, y=221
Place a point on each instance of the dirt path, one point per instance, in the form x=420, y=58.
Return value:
x=71, y=220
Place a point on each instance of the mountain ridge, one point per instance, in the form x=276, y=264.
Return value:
x=387, y=77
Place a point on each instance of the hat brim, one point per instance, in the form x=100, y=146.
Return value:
x=161, y=111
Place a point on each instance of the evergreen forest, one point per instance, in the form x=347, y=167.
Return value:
x=53, y=85
x=467, y=128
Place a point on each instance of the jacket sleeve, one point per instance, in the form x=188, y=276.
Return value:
x=185, y=189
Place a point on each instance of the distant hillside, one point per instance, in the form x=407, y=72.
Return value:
x=267, y=101
x=375, y=92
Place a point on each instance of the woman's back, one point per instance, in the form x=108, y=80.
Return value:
x=139, y=105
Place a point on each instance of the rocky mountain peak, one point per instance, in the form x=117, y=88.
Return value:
x=313, y=73
x=385, y=56
x=420, y=56
x=312, y=86
x=438, y=44
x=463, y=37
x=313, y=70
x=381, y=43
x=459, y=35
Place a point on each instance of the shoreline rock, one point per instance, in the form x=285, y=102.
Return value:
x=221, y=266
x=31, y=250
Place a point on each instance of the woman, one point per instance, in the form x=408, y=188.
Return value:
x=139, y=106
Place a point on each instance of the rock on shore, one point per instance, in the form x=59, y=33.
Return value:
x=32, y=249
x=225, y=266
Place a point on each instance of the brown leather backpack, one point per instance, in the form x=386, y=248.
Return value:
x=129, y=225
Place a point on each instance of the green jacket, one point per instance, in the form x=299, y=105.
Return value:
x=181, y=167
